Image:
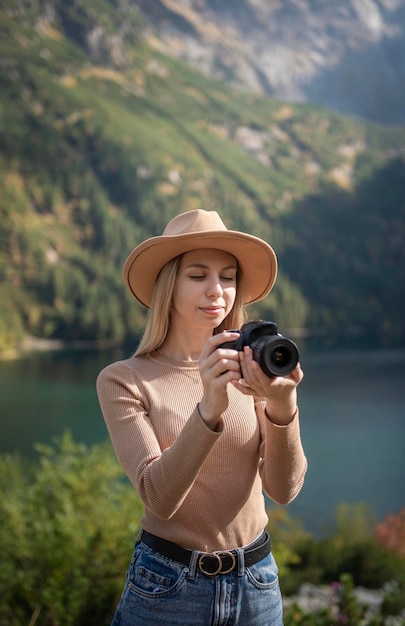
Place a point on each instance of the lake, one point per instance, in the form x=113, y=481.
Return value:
x=352, y=406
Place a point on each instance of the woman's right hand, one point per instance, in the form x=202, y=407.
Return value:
x=218, y=367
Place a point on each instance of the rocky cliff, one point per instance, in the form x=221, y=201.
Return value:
x=348, y=55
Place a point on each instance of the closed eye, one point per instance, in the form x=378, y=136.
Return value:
x=228, y=278
x=202, y=277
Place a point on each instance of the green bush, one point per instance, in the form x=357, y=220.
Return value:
x=353, y=554
x=350, y=548
x=286, y=534
x=67, y=527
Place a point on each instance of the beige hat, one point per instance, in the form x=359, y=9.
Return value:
x=194, y=230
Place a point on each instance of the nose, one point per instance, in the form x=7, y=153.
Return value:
x=214, y=288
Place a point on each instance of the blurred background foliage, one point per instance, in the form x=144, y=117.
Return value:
x=67, y=524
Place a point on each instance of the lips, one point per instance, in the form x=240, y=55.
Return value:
x=212, y=310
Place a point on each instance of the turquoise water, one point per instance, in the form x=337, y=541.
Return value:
x=353, y=430
x=352, y=406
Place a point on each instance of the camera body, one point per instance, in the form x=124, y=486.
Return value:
x=276, y=355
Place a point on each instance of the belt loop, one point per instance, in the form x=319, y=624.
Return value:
x=139, y=537
x=241, y=561
x=192, y=568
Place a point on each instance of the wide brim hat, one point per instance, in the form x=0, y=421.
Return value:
x=195, y=230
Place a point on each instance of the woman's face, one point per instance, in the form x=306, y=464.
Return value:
x=205, y=288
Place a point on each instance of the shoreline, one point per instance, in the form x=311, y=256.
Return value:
x=31, y=345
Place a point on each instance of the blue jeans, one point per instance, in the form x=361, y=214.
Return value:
x=161, y=592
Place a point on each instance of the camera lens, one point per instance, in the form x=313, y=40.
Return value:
x=281, y=356
x=276, y=355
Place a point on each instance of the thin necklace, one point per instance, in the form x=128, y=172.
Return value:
x=195, y=378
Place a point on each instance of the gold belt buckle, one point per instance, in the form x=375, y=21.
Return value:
x=217, y=555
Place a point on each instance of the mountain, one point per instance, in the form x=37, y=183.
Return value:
x=104, y=138
x=348, y=55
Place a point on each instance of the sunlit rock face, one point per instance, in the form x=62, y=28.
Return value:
x=349, y=56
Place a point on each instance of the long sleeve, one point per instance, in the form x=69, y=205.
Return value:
x=162, y=477
x=283, y=464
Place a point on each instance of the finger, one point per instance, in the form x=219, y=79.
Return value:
x=223, y=365
x=223, y=337
x=243, y=387
x=297, y=374
x=219, y=363
x=216, y=340
x=251, y=370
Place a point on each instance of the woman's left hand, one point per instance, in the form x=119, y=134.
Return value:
x=280, y=391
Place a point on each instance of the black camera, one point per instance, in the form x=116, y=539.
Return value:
x=276, y=355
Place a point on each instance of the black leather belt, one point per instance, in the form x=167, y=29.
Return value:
x=210, y=563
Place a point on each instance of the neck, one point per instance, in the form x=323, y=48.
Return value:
x=178, y=357
x=183, y=347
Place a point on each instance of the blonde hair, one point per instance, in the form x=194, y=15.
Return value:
x=158, y=317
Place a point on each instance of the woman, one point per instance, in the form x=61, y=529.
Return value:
x=201, y=431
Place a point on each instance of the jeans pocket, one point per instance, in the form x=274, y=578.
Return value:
x=152, y=575
x=264, y=575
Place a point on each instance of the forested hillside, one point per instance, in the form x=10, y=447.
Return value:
x=103, y=139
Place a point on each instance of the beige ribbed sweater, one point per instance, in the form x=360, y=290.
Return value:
x=201, y=489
